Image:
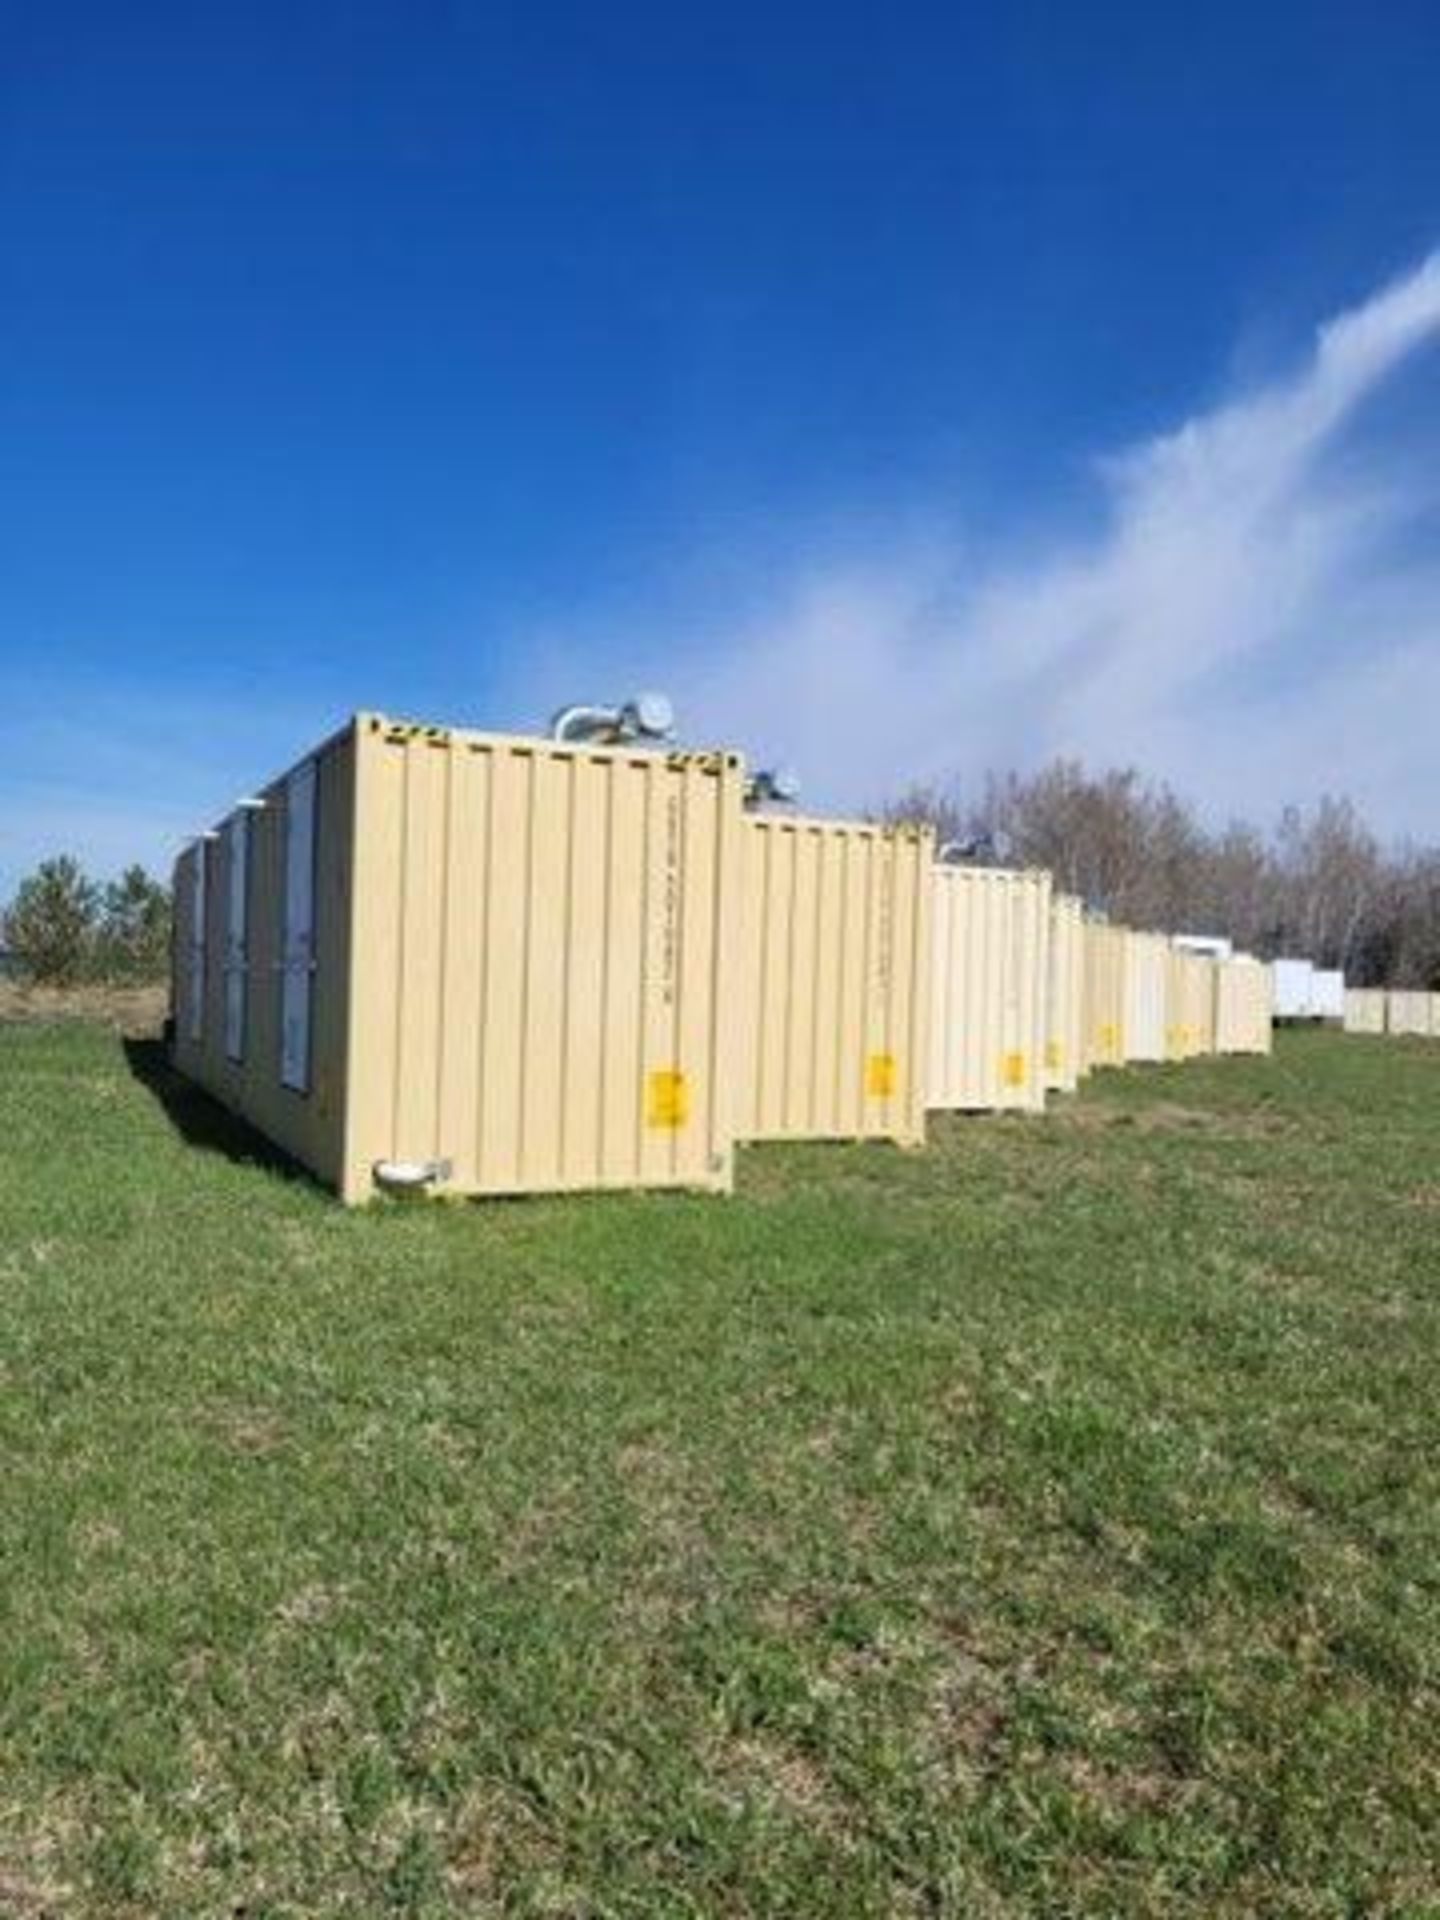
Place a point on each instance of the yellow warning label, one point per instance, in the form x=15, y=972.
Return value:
x=882, y=1076
x=669, y=1104
x=1014, y=1070
x=1054, y=1056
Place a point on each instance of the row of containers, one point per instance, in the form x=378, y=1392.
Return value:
x=1393, y=1010
x=476, y=963
x=1307, y=994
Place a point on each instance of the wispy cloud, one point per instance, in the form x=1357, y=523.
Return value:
x=1257, y=619
x=1251, y=622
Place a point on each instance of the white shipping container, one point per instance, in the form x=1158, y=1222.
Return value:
x=1294, y=993
x=1327, y=994
x=1215, y=944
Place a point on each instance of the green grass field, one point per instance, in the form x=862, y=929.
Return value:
x=1048, y=1523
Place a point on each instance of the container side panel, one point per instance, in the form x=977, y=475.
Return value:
x=558, y=913
x=798, y=1113
x=420, y=983
x=825, y=1065
x=584, y=936
x=833, y=1006
x=462, y=960
x=299, y=954
x=237, y=955
x=660, y=1096
x=850, y=1107
x=545, y=967
x=235, y=1050
x=698, y=798
x=502, y=1063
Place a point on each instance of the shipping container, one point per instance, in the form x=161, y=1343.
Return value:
x=488, y=963
x=990, y=939
x=1146, y=960
x=1244, y=1011
x=1407, y=1011
x=1327, y=995
x=1065, y=995
x=1215, y=944
x=1293, y=982
x=1190, y=1005
x=1104, y=994
x=1364, y=1010
x=833, y=980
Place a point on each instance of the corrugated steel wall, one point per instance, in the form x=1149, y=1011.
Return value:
x=1104, y=994
x=1407, y=1011
x=544, y=940
x=1190, y=1018
x=232, y=974
x=1146, y=961
x=832, y=986
x=550, y=966
x=1201, y=1006
x=1065, y=995
x=1244, y=1021
x=988, y=1011
x=1364, y=1010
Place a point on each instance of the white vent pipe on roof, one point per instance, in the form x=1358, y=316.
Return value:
x=772, y=786
x=648, y=717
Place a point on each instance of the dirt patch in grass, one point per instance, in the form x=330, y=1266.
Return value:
x=25, y=1899
x=133, y=1010
x=770, y=1770
x=1168, y=1116
x=254, y=1430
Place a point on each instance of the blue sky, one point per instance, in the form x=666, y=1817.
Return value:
x=906, y=390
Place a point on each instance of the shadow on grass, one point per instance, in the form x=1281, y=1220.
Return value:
x=200, y=1120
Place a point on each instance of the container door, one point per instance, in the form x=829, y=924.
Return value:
x=195, y=958
x=298, y=953
x=237, y=961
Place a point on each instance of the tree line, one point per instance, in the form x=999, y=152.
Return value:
x=1320, y=884
x=65, y=929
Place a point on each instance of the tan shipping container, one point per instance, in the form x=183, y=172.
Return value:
x=1365, y=1010
x=832, y=984
x=1146, y=962
x=1244, y=1005
x=1104, y=994
x=503, y=959
x=1190, y=1018
x=1065, y=995
x=1407, y=1011
x=988, y=1006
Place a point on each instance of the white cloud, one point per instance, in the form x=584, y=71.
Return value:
x=1244, y=625
x=1253, y=622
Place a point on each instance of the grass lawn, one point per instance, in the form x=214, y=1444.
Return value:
x=1047, y=1523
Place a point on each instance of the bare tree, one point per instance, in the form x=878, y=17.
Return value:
x=1320, y=885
